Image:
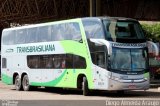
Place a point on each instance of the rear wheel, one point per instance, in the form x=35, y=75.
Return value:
x=85, y=87
x=17, y=83
x=25, y=83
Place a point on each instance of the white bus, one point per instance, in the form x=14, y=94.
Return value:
x=94, y=53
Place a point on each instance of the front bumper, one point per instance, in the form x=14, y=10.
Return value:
x=120, y=85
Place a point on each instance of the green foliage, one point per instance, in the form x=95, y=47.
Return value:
x=152, y=31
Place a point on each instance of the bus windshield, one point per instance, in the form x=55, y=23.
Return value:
x=128, y=59
x=116, y=30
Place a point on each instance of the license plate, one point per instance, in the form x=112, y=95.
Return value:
x=131, y=86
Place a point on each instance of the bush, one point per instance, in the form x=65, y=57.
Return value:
x=152, y=31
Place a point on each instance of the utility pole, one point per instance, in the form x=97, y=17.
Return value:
x=95, y=7
x=98, y=8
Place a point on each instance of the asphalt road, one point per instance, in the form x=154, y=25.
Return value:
x=8, y=92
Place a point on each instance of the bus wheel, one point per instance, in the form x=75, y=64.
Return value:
x=85, y=87
x=25, y=83
x=17, y=83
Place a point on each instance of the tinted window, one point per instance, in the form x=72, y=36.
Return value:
x=123, y=30
x=79, y=62
x=33, y=61
x=57, y=61
x=98, y=59
x=4, y=63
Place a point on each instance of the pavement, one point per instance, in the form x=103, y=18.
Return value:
x=8, y=92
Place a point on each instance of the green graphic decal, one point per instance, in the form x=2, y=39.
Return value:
x=7, y=79
x=81, y=49
x=40, y=48
x=50, y=83
x=146, y=75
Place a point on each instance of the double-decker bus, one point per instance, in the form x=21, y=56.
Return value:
x=94, y=53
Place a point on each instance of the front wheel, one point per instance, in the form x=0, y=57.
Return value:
x=85, y=87
x=25, y=83
x=17, y=83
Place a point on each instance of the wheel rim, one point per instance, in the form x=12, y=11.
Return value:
x=83, y=85
x=25, y=83
x=17, y=83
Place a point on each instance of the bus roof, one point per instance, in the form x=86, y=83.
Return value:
x=70, y=20
x=42, y=24
x=111, y=18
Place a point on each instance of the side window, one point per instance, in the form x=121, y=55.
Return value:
x=93, y=29
x=32, y=35
x=79, y=62
x=5, y=35
x=4, y=63
x=21, y=35
x=43, y=34
x=98, y=59
x=46, y=61
x=56, y=61
x=9, y=37
x=33, y=62
x=74, y=31
x=69, y=61
x=56, y=33
x=66, y=31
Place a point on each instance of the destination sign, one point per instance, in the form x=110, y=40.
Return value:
x=129, y=45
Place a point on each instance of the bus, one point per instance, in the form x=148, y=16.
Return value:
x=91, y=53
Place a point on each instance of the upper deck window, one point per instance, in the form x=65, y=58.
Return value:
x=123, y=29
x=55, y=32
x=93, y=29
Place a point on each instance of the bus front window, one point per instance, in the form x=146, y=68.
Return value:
x=139, y=58
x=128, y=59
x=120, y=30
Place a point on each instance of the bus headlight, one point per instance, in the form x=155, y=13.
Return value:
x=115, y=78
x=145, y=79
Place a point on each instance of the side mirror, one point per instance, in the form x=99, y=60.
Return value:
x=152, y=46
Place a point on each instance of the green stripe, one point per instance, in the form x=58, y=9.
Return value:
x=146, y=75
x=50, y=83
x=7, y=79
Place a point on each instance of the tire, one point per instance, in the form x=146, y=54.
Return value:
x=25, y=83
x=18, y=84
x=85, y=87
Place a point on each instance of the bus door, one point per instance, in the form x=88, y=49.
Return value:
x=7, y=63
x=4, y=67
x=100, y=65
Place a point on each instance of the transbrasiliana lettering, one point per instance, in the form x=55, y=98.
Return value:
x=40, y=48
